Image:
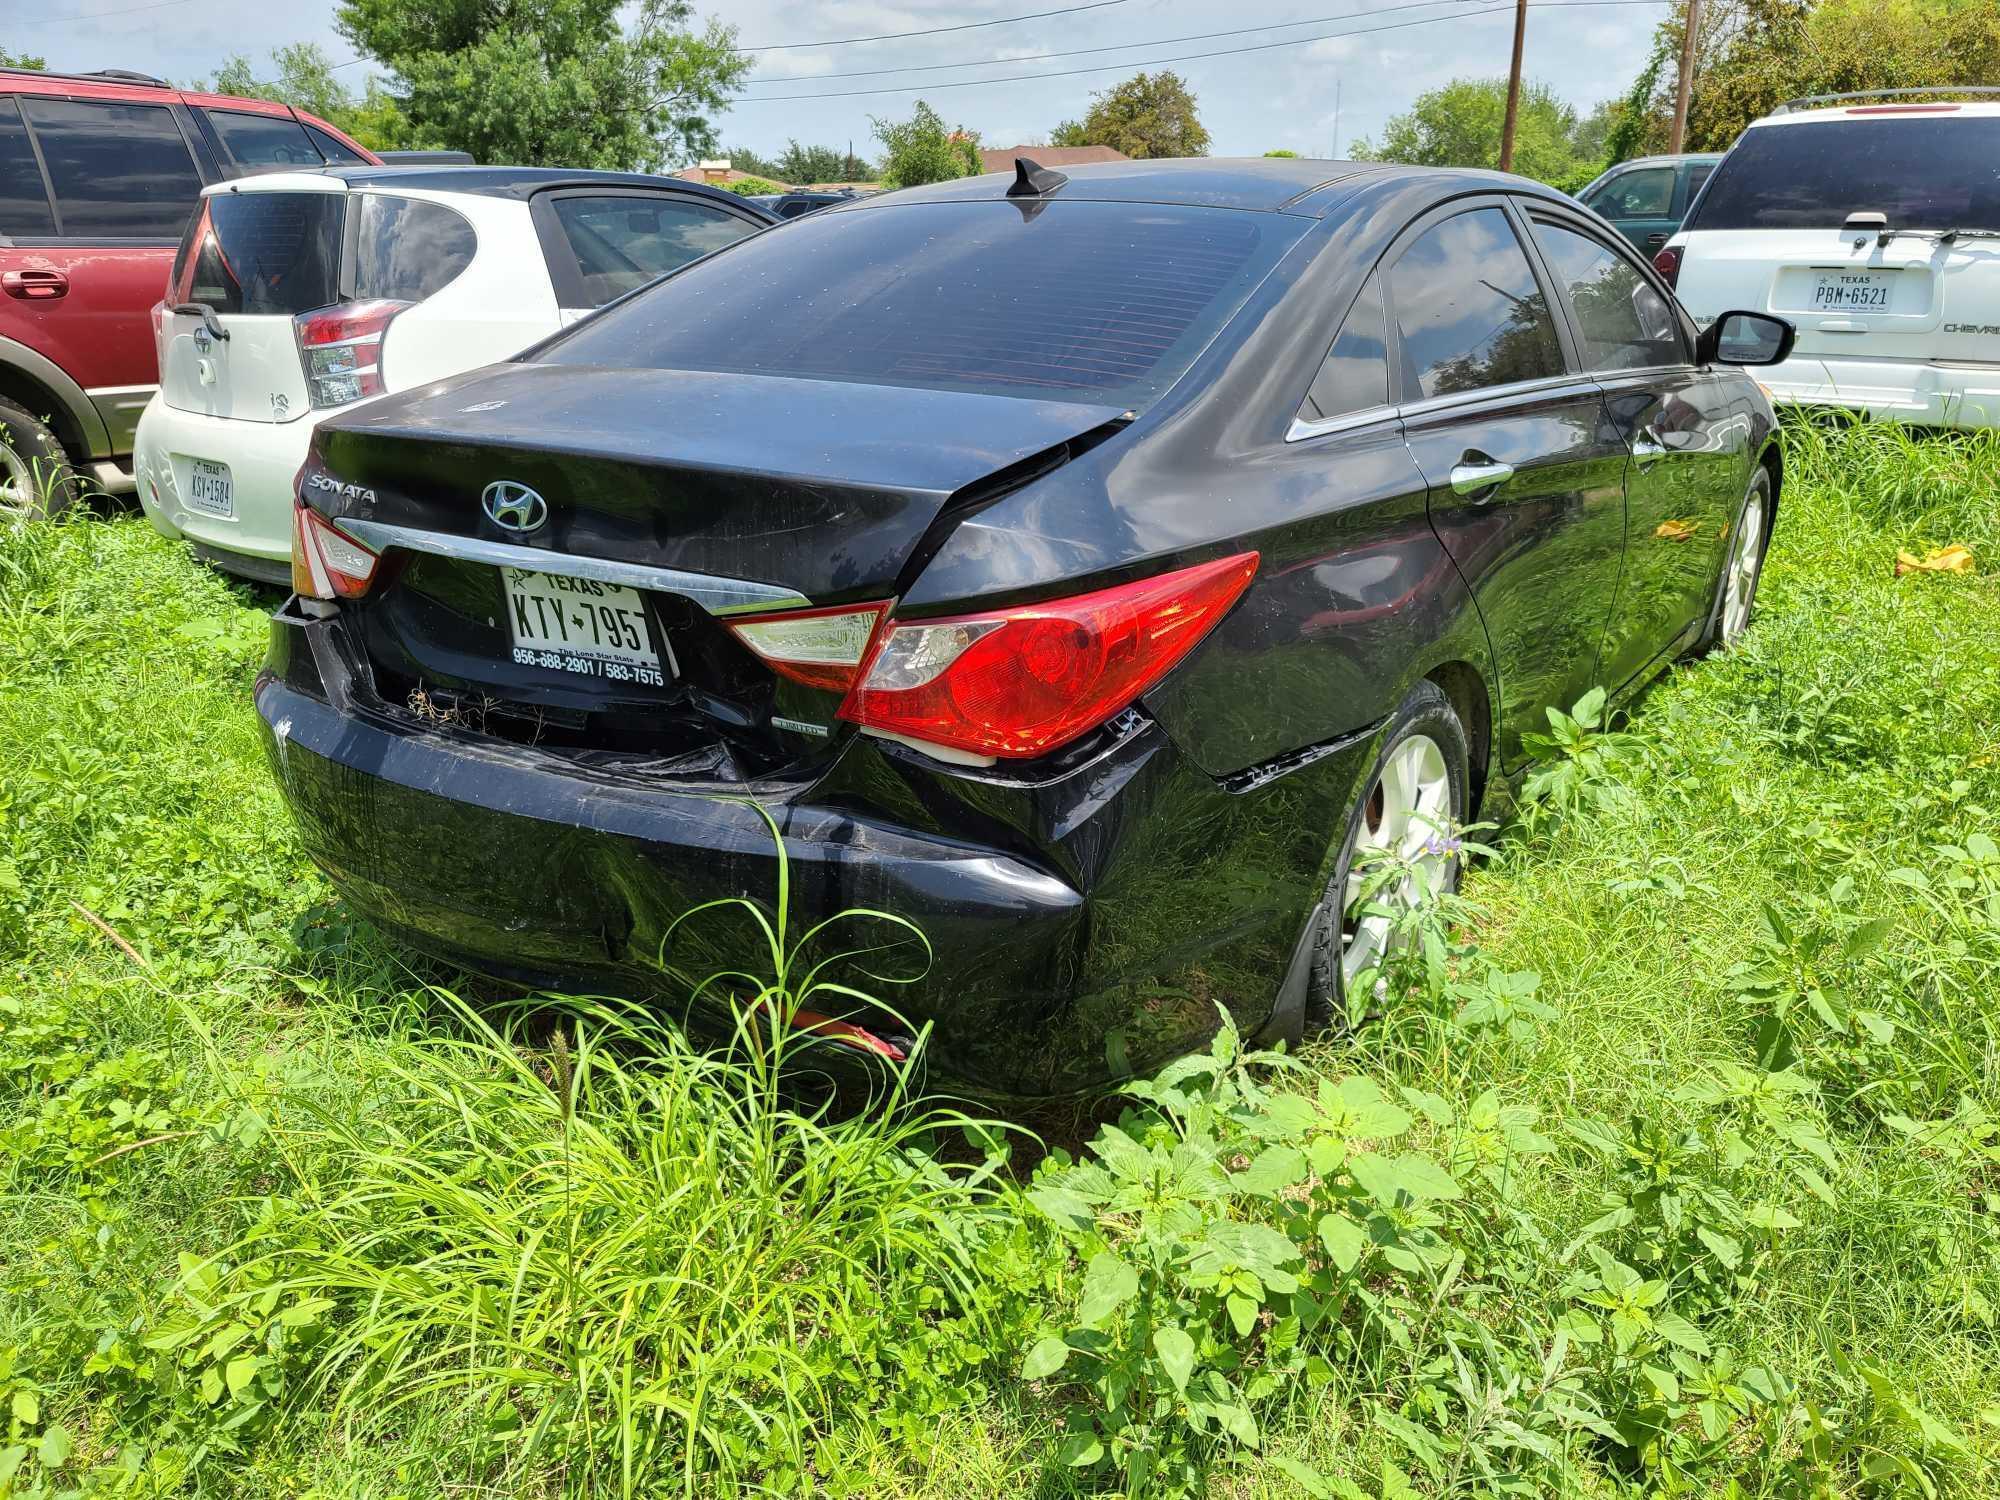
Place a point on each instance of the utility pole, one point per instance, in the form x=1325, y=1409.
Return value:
x=1686, y=84
x=1336, y=117
x=1513, y=87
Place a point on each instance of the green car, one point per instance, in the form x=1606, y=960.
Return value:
x=1645, y=198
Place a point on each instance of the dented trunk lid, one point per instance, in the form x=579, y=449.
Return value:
x=817, y=486
x=677, y=499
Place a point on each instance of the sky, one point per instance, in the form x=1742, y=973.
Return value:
x=1335, y=80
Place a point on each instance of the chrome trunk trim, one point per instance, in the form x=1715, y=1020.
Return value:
x=719, y=596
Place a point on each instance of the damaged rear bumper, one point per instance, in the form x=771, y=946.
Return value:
x=1078, y=929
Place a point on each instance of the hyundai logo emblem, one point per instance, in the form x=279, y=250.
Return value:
x=512, y=506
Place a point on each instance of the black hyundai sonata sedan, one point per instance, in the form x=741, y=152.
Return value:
x=1098, y=571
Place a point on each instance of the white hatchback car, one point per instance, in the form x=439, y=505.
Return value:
x=299, y=294
x=1871, y=222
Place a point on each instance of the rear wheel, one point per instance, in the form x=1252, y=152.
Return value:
x=1399, y=850
x=36, y=479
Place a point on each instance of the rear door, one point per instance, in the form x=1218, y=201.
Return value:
x=601, y=243
x=1770, y=235
x=120, y=181
x=1678, y=424
x=1525, y=474
x=255, y=261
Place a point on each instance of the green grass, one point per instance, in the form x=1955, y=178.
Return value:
x=282, y=1215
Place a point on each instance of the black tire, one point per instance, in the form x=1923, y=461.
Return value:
x=1712, y=633
x=1425, y=711
x=37, y=480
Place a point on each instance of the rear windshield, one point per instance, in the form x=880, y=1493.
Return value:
x=1928, y=172
x=264, y=253
x=1106, y=300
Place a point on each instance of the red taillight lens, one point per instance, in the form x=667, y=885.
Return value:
x=327, y=563
x=822, y=648
x=341, y=349
x=1667, y=262
x=1021, y=682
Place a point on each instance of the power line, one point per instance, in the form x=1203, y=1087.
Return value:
x=1300, y=41
x=98, y=15
x=894, y=36
x=1162, y=41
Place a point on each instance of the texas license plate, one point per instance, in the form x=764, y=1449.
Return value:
x=580, y=625
x=210, y=489
x=1853, y=291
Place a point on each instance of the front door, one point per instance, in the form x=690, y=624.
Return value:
x=1525, y=475
x=121, y=181
x=1639, y=202
x=1685, y=443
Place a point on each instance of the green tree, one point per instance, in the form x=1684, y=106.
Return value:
x=808, y=164
x=21, y=60
x=1460, y=124
x=1282, y=152
x=1774, y=50
x=743, y=159
x=1149, y=114
x=554, y=82
x=923, y=149
x=303, y=76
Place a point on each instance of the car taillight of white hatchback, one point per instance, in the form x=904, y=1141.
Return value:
x=341, y=350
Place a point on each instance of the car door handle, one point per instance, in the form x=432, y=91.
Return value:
x=1654, y=241
x=1647, y=449
x=1472, y=479
x=34, y=286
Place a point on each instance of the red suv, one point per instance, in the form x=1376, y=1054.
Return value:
x=98, y=174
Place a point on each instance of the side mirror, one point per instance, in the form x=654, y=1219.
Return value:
x=1745, y=338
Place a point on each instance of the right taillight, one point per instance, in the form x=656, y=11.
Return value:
x=1667, y=261
x=341, y=349
x=1017, y=683
x=327, y=563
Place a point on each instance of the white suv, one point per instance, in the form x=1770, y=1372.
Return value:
x=1875, y=228
x=298, y=294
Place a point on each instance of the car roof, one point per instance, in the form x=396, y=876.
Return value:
x=1663, y=159
x=1293, y=185
x=492, y=182
x=1886, y=109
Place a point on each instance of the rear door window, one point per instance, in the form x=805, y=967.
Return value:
x=24, y=197
x=264, y=254
x=1923, y=172
x=1355, y=376
x=1469, y=310
x=622, y=241
x=407, y=249
x=1051, y=300
x=333, y=150
x=120, y=171
x=264, y=141
x=1626, y=325
x=1696, y=176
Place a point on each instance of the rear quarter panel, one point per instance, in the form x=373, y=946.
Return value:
x=1355, y=597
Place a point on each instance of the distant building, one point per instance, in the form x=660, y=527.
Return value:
x=1002, y=159
x=720, y=173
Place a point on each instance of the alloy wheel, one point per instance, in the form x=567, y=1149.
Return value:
x=1739, y=585
x=1406, y=818
x=18, y=495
